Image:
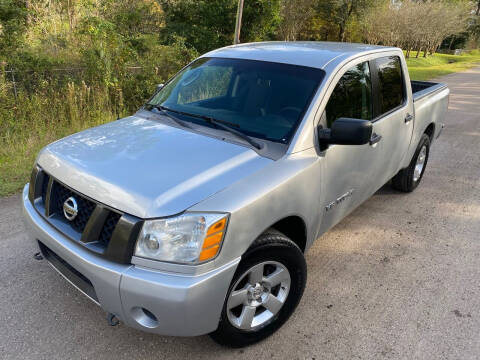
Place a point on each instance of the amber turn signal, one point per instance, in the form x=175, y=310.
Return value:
x=209, y=253
x=219, y=225
x=212, y=240
x=211, y=244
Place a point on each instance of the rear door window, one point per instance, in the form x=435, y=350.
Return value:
x=390, y=84
x=352, y=96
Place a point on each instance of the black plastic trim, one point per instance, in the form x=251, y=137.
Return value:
x=121, y=246
x=70, y=273
x=48, y=203
x=95, y=224
x=33, y=181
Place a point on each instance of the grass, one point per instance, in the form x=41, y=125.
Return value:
x=437, y=65
x=29, y=122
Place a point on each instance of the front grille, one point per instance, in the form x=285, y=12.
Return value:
x=93, y=226
x=60, y=194
x=108, y=227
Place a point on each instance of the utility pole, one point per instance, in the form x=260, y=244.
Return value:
x=238, y=24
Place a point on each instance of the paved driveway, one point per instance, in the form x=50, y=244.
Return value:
x=398, y=279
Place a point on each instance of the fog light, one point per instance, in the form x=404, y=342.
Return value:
x=144, y=317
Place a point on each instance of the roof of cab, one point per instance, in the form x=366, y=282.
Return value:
x=315, y=54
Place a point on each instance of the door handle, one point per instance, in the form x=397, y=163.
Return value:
x=408, y=118
x=375, y=138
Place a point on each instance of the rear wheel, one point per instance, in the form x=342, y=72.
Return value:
x=408, y=179
x=264, y=292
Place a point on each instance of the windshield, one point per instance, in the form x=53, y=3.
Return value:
x=261, y=99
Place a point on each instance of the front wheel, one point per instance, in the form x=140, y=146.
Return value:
x=408, y=179
x=264, y=292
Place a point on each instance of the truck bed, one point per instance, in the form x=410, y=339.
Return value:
x=421, y=89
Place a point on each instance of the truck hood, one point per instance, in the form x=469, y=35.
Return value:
x=146, y=168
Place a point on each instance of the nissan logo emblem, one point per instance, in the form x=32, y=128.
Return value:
x=70, y=208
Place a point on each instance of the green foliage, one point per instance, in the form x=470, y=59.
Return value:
x=338, y=20
x=103, y=50
x=260, y=20
x=210, y=24
x=76, y=64
x=156, y=66
x=13, y=23
x=30, y=121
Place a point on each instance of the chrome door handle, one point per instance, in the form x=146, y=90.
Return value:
x=408, y=118
x=375, y=139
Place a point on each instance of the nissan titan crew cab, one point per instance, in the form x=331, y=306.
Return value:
x=193, y=216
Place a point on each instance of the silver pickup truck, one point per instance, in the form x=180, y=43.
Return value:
x=193, y=216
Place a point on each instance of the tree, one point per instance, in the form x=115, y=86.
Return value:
x=341, y=13
x=295, y=15
x=209, y=24
x=398, y=24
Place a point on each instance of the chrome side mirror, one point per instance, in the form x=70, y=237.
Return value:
x=160, y=86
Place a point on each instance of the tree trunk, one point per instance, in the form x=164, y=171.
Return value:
x=418, y=53
x=478, y=8
x=451, y=42
x=341, y=32
x=343, y=23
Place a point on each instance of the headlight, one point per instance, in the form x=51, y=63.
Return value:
x=190, y=238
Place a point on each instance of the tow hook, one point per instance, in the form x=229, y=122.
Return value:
x=112, y=320
x=38, y=256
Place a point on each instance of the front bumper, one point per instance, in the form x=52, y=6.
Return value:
x=146, y=299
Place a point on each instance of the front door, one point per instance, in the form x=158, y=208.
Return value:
x=352, y=173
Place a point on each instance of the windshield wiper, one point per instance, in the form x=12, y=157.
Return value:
x=239, y=134
x=224, y=125
x=164, y=110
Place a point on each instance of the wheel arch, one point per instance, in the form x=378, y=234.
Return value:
x=430, y=131
x=294, y=227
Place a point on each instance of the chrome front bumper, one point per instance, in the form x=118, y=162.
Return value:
x=146, y=299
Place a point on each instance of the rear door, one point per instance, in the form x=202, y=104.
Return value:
x=393, y=116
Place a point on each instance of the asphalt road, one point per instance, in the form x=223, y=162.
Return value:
x=397, y=279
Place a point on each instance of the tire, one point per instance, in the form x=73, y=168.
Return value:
x=408, y=179
x=271, y=253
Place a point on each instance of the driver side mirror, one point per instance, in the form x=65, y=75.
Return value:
x=160, y=86
x=346, y=131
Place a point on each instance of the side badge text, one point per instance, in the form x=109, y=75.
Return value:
x=338, y=200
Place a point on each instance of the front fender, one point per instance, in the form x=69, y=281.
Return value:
x=287, y=187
